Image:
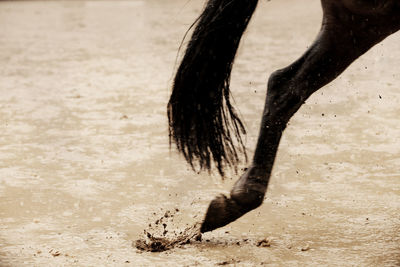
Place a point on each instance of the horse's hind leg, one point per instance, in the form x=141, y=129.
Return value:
x=339, y=43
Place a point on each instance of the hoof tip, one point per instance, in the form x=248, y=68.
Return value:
x=221, y=211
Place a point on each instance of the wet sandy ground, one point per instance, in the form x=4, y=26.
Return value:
x=85, y=162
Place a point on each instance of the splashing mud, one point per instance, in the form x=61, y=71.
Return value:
x=158, y=237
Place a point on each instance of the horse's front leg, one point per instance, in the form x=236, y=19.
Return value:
x=335, y=48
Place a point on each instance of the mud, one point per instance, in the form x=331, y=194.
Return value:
x=164, y=234
x=158, y=237
x=85, y=164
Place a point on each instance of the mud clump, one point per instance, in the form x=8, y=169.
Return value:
x=159, y=237
x=228, y=262
x=265, y=243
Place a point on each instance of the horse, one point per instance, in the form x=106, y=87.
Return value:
x=205, y=126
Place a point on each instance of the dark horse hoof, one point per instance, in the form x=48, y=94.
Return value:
x=246, y=195
x=221, y=211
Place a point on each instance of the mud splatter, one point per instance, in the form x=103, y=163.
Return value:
x=265, y=243
x=158, y=237
x=228, y=262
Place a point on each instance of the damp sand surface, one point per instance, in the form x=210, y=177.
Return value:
x=85, y=163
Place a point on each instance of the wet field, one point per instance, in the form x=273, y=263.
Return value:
x=85, y=162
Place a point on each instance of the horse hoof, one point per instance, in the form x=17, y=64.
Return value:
x=220, y=212
x=246, y=195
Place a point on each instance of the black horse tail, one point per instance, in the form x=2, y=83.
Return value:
x=200, y=113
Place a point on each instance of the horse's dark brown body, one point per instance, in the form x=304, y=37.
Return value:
x=349, y=29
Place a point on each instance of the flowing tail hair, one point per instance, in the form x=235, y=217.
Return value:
x=202, y=121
